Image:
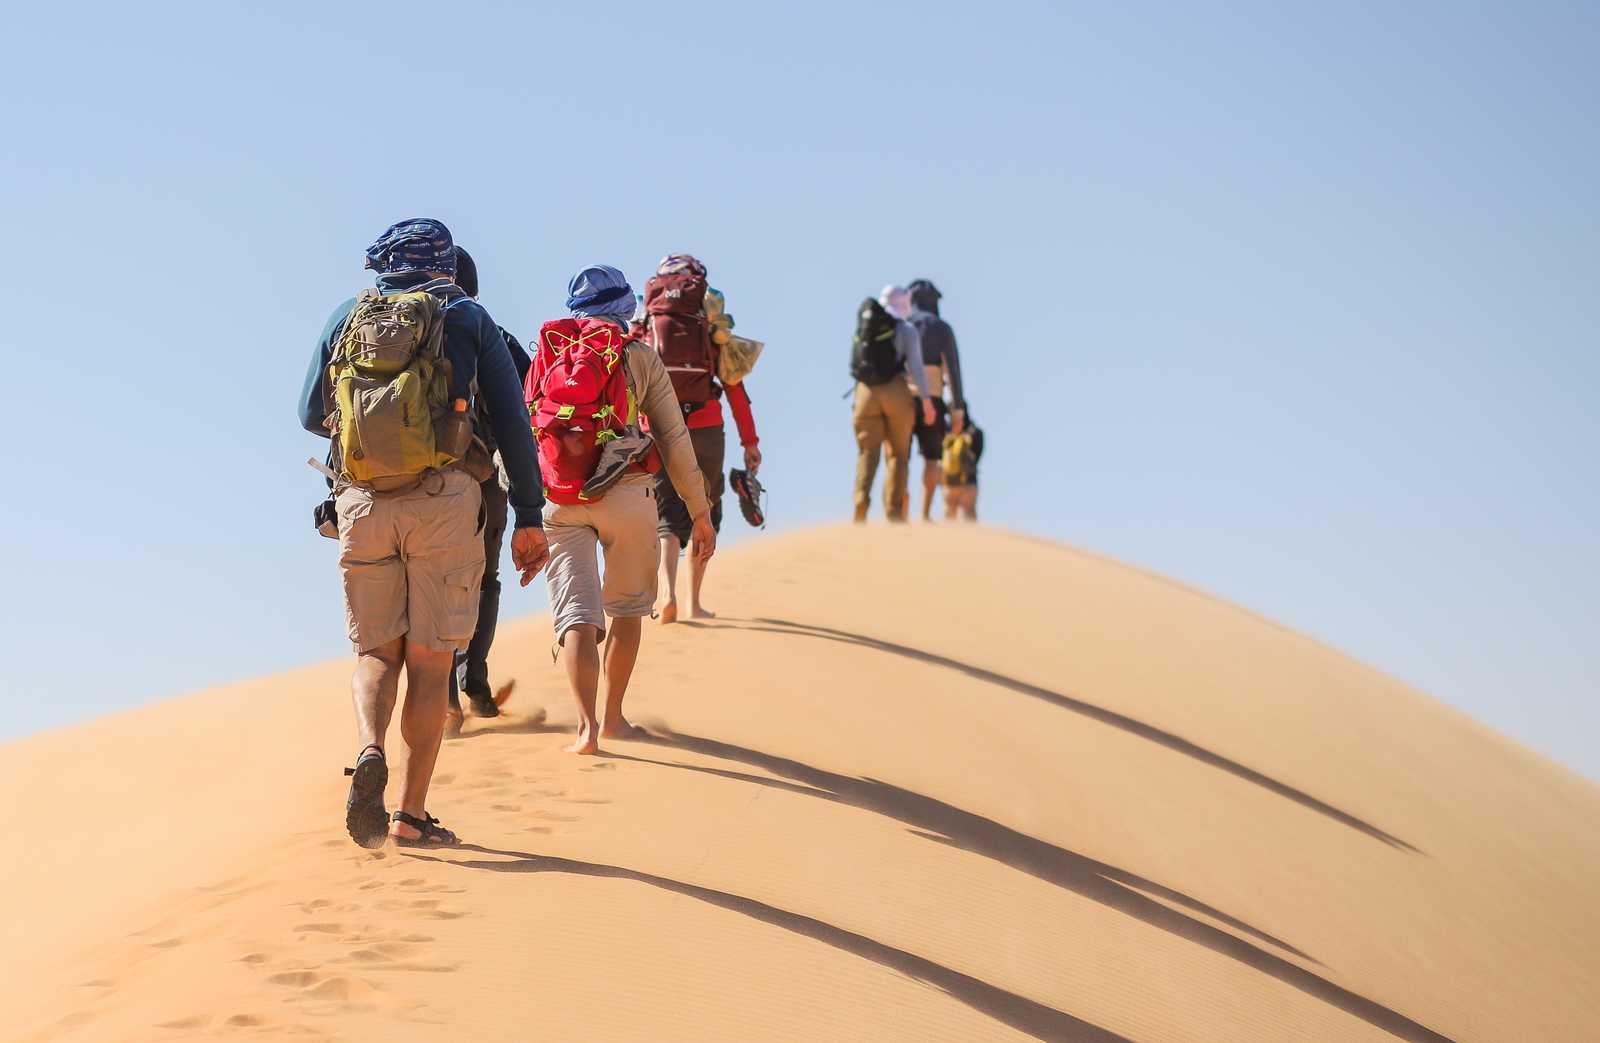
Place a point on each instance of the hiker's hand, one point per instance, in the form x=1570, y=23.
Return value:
x=703, y=539
x=530, y=552
x=928, y=415
x=752, y=458
x=958, y=420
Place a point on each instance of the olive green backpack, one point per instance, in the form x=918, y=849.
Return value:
x=389, y=381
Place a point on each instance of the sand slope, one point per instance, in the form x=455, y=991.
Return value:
x=1140, y=813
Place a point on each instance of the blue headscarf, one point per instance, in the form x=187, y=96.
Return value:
x=600, y=292
x=418, y=245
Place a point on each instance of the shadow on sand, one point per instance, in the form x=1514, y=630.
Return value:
x=1019, y=1012
x=1114, y=888
x=1176, y=743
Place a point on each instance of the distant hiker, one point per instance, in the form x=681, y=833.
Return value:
x=591, y=380
x=883, y=353
x=471, y=672
x=959, y=465
x=943, y=374
x=393, y=381
x=688, y=325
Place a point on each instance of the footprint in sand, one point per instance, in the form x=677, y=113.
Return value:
x=246, y=1021
x=294, y=979
x=370, y=884
x=505, y=807
x=170, y=943
x=555, y=816
x=253, y=958
x=98, y=983
x=442, y=780
x=536, y=829
x=194, y=1022
x=320, y=928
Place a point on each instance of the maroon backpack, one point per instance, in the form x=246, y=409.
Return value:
x=680, y=334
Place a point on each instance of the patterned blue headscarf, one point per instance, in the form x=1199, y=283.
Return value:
x=418, y=245
x=600, y=292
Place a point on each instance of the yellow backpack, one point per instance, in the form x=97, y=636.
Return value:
x=390, y=384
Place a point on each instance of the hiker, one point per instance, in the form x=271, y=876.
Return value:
x=408, y=501
x=943, y=366
x=687, y=323
x=960, y=467
x=886, y=361
x=471, y=671
x=591, y=380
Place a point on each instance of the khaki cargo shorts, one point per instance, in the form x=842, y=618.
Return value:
x=412, y=563
x=622, y=524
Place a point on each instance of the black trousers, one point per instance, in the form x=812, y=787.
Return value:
x=471, y=673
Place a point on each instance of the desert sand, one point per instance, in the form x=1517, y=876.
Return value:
x=1034, y=794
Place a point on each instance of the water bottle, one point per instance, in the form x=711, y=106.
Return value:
x=455, y=431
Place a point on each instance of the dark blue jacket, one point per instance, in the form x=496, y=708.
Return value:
x=477, y=350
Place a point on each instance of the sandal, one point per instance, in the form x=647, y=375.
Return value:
x=365, y=818
x=750, y=493
x=433, y=834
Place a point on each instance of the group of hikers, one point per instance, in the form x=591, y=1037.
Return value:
x=903, y=359
x=604, y=439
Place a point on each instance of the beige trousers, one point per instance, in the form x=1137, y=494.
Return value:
x=884, y=416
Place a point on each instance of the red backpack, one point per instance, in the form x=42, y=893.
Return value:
x=577, y=395
x=680, y=334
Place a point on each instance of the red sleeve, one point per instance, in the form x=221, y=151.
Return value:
x=739, y=402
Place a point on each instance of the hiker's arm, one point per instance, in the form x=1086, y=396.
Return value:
x=508, y=418
x=739, y=402
x=952, y=365
x=312, y=411
x=660, y=405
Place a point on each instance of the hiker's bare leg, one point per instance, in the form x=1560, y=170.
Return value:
x=622, y=652
x=952, y=503
x=580, y=656
x=930, y=483
x=697, y=576
x=373, y=687
x=670, y=549
x=422, y=726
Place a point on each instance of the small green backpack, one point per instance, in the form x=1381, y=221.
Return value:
x=390, y=388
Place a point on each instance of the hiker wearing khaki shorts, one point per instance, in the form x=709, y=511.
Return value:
x=621, y=525
x=408, y=503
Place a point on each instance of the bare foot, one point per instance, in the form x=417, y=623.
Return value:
x=701, y=612
x=588, y=742
x=621, y=729
x=452, y=722
x=503, y=693
x=669, y=613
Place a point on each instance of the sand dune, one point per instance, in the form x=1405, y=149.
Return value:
x=1076, y=802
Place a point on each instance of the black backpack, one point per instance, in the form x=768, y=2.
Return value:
x=873, y=360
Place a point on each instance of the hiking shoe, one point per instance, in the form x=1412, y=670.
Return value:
x=750, y=492
x=615, y=458
x=483, y=705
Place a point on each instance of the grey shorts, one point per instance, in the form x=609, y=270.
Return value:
x=622, y=525
x=412, y=563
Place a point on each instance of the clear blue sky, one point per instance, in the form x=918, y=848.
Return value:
x=1294, y=302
